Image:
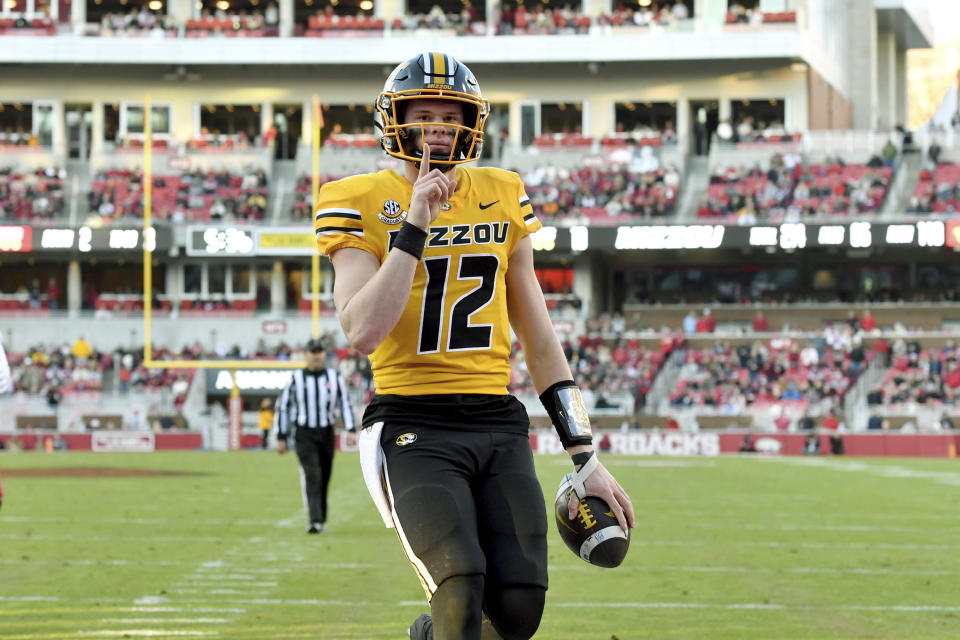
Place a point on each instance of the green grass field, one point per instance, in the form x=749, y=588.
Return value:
x=724, y=548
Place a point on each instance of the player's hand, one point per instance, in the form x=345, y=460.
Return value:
x=431, y=190
x=281, y=446
x=602, y=484
x=350, y=439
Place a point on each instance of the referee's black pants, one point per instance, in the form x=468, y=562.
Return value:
x=315, y=451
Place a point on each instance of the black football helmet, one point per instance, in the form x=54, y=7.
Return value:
x=439, y=77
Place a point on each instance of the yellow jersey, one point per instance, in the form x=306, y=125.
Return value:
x=454, y=333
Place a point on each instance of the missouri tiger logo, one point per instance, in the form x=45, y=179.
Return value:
x=406, y=438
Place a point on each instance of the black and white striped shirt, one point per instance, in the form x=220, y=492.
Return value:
x=310, y=400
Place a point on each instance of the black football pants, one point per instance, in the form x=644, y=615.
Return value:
x=315, y=451
x=470, y=514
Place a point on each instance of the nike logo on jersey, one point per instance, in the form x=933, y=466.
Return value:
x=487, y=206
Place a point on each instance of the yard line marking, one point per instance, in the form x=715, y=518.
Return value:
x=830, y=570
x=626, y=462
x=182, y=609
x=854, y=528
x=135, y=538
x=222, y=583
x=165, y=620
x=144, y=521
x=202, y=570
x=29, y=599
x=748, y=605
x=950, y=478
x=809, y=545
x=146, y=633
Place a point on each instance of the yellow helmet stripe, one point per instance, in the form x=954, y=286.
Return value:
x=439, y=64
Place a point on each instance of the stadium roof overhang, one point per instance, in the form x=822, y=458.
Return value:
x=908, y=20
x=719, y=45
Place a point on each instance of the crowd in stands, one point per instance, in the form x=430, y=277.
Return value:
x=800, y=377
x=602, y=194
x=790, y=190
x=731, y=378
x=19, y=138
x=242, y=24
x=138, y=22
x=302, y=208
x=23, y=26
x=192, y=195
x=919, y=376
x=517, y=19
x=749, y=130
x=52, y=370
x=653, y=15
x=937, y=190
x=466, y=22
x=226, y=142
x=31, y=195
x=513, y=19
x=738, y=14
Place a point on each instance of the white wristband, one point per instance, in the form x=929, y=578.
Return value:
x=580, y=476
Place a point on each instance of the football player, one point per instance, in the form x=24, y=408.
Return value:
x=434, y=264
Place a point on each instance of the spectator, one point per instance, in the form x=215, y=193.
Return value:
x=34, y=293
x=889, y=153
x=811, y=445
x=868, y=323
x=58, y=443
x=782, y=422
x=81, y=349
x=265, y=421
x=53, y=293
x=759, y=322
x=876, y=422
x=725, y=131
x=54, y=396
x=690, y=323
x=272, y=15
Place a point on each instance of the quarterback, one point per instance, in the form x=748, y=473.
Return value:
x=434, y=265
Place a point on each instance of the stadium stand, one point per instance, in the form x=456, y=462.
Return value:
x=937, y=191
x=27, y=196
x=24, y=26
x=194, y=195
x=230, y=25
x=790, y=190
x=327, y=24
x=603, y=195
x=137, y=23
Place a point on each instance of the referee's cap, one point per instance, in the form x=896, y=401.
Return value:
x=316, y=344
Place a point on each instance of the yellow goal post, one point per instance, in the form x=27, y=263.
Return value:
x=234, y=405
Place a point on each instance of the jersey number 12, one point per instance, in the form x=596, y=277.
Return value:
x=461, y=334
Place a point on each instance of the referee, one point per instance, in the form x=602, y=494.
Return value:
x=309, y=401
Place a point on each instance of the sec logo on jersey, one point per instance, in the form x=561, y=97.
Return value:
x=392, y=213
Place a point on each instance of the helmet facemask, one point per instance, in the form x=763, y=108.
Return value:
x=411, y=82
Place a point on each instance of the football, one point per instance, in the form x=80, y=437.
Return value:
x=594, y=535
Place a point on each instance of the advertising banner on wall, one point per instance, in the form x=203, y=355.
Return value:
x=128, y=441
